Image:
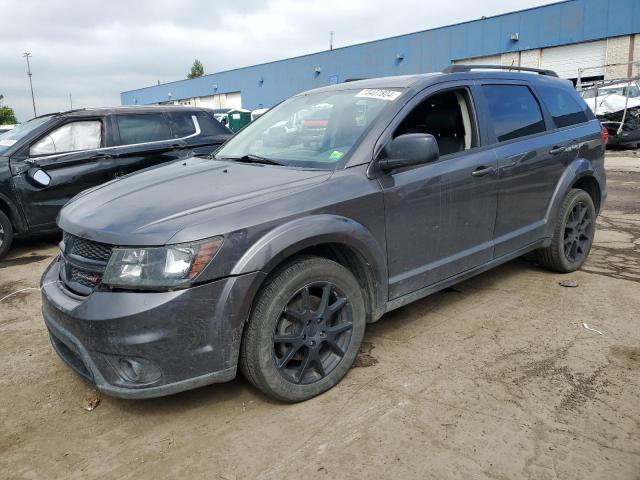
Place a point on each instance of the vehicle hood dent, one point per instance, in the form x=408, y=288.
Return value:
x=151, y=207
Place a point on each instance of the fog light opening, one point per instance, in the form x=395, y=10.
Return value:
x=137, y=370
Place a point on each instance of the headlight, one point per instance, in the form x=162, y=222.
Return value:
x=159, y=267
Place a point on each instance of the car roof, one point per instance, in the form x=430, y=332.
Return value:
x=426, y=79
x=87, y=112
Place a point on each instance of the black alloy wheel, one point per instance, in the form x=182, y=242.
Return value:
x=313, y=333
x=573, y=234
x=578, y=233
x=305, y=329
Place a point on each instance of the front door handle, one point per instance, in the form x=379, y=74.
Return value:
x=557, y=150
x=482, y=171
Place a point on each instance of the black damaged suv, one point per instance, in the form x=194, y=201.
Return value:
x=273, y=255
x=46, y=161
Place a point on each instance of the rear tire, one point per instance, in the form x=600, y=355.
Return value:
x=573, y=234
x=6, y=234
x=305, y=329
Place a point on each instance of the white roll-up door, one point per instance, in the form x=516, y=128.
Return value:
x=566, y=60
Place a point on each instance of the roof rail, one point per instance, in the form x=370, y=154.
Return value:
x=467, y=68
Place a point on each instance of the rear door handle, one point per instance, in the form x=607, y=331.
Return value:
x=557, y=150
x=482, y=171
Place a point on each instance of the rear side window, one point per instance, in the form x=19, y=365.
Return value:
x=182, y=124
x=143, y=128
x=562, y=105
x=514, y=111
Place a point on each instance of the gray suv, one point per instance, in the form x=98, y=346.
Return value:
x=274, y=254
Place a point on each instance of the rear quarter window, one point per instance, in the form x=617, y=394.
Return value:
x=209, y=125
x=514, y=111
x=565, y=109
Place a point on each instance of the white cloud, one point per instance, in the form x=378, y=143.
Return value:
x=95, y=49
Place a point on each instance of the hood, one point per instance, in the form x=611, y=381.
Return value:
x=611, y=103
x=150, y=207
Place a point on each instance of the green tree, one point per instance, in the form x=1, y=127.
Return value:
x=7, y=115
x=197, y=70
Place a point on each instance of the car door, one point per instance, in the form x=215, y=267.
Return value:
x=145, y=140
x=74, y=154
x=530, y=162
x=439, y=216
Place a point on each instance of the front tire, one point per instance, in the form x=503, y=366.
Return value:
x=305, y=330
x=6, y=234
x=573, y=234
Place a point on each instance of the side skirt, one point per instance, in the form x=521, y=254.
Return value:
x=436, y=287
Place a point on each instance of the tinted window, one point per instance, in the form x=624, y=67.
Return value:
x=71, y=137
x=181, y=124
x=514, y=111
x=142, y=128
x=564, y=108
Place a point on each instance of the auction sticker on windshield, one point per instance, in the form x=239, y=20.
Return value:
x=7, y=143
x=379, y=93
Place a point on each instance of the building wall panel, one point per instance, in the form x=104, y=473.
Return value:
x=569, y=22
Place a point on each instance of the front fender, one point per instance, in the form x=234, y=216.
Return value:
x=286, y=240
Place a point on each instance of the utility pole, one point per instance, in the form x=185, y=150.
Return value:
x=33, y=99
x=331, y=41
x=70, y=102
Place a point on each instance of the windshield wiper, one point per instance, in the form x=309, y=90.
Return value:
x=250, y=158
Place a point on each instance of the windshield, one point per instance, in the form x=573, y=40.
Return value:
x=311, y=131
x=10, y=138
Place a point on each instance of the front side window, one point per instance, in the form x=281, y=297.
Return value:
x=143, y=128
x=562, y=105
x=315, y=130
x=447, y=116
x=514, y=111
x=71, y=137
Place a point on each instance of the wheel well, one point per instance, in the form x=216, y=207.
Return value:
x=590, y=185
x=6, y=209
x=354, y=262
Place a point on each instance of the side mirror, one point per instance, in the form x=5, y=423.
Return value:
x=39, y=177
x=410, y=149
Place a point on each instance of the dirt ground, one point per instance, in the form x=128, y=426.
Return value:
x=508, y=375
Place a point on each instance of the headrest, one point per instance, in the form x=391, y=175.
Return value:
x=443, y=117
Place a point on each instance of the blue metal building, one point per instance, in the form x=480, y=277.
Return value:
x=565, y=36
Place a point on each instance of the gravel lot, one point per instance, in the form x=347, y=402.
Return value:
x=496, y=378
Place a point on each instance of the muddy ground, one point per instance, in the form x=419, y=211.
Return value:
x=497, y=378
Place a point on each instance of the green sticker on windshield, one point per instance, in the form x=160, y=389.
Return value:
x=336, y=155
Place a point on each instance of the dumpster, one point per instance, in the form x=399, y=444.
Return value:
x=238, y=118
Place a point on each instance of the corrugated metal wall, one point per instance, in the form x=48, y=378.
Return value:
x=562, y=23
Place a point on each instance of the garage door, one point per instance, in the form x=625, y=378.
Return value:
x=567, y=59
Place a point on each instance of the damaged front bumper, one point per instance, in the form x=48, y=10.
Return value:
x=149, y=344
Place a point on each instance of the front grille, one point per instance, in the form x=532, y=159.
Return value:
x=83, y=263
x=87, y=248
x=84, y=278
